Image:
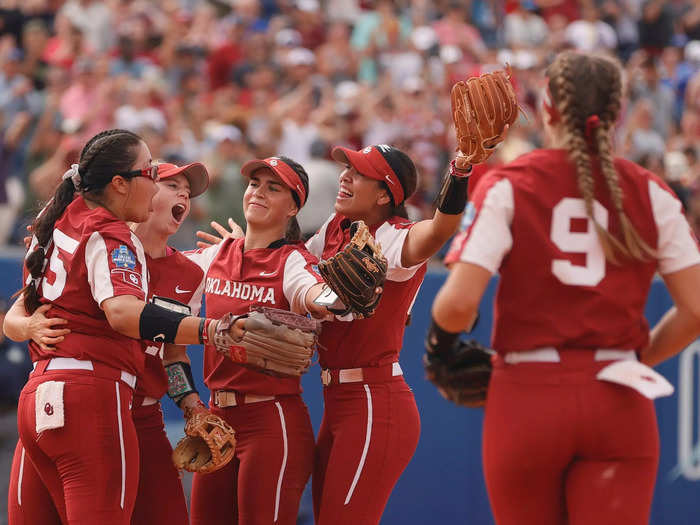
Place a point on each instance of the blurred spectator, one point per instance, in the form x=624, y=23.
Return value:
x=323, y=188
x=590, y=33
x=524, y=28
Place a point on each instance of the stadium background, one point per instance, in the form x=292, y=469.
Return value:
x=222, y=81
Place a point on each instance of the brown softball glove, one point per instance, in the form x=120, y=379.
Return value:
x=209, y=442
x=483, y=108
x=357, y=273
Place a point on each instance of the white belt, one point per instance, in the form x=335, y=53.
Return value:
x=551, y=355
x=355, y=375
x=226, y=398
x=148, y=401
x=70, y=363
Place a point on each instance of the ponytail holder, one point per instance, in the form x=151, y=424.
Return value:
x=74, y=175
x=592, y=123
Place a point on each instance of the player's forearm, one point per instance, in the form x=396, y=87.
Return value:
x=674, y=332
x=16, y=324
x=427, y=237
x=174, y=354
x=451, y=311
x=131, y=317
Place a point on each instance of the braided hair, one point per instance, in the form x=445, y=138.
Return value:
x=583, y=86
x=104, y=155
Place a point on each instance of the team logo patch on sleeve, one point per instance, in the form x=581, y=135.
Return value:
x=123, y=257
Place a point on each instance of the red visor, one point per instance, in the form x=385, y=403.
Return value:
x=195, y=173
x=282, y=170
x=371, y=163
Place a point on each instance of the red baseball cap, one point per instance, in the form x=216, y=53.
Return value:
x=284, y=171
x=195, y=173
x=371, y=163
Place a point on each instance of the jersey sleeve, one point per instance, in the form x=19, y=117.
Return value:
x=116, y=265
x=203, y=257
x=299, y=276
x=317, y=241
x=485, y=237
x=677, y=247
x=391, y=238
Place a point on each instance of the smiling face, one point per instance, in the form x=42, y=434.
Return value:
x=171, y=205
x=358, y=195
x=267, y=201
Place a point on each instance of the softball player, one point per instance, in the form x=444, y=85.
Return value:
x=268, y=267
x=73, y=414
x=576, y=236
x=371, y=425
x=160, y=498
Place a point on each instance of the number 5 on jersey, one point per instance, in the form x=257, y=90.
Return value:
x=585, y=242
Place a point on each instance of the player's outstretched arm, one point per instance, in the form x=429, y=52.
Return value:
x=44, y=331
x=130, y=316
x=680, y=326
x=426, y=237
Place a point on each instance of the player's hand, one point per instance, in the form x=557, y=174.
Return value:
x=45, y=331
x=28, y=239
x=209, y=239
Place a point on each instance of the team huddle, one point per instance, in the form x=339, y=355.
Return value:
x=576, y=235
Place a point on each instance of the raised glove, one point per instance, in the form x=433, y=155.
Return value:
x=275, y=341
x=357, y=273
x=209, y=442
x=482, y=109
x=461, y=373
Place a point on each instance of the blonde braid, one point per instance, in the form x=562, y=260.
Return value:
x=578, y=151
x=633, y=246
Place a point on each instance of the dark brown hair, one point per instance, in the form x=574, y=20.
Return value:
x=402, y=165
x=582, y=86
x=104, y=155
x=293, y=233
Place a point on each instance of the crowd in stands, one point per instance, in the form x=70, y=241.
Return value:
x=222, y=81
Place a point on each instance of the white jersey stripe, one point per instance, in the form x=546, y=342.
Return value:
x=121, y=444
x=490, y=238
x=141, y=256
x=296, y=282
x=368, y=436
x=676, y=246
x=284, y=459
x=317, y=242
x=97, y=265
x=19, y=480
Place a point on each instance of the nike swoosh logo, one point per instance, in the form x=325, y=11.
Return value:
x=177, y=290
x=389, y=179
x=267, y=274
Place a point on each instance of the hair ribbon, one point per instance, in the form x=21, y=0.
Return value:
x=74, y=175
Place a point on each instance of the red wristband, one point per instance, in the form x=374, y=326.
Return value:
x=454, y=170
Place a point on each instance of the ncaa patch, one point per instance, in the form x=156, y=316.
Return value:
x=468, y=218
x=123, y=257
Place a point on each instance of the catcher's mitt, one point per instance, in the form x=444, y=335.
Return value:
x=209, y=442
x=275, y=341
x=482, y=109
x=461, y=374
x=357, y=273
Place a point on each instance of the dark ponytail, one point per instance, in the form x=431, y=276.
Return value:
x=293, y=232
x=104, y=155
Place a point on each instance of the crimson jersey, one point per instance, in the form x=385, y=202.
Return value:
x=528, y=221
x=175, y=277
x=277, y=276
x=378, y=339
x=92, y=256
